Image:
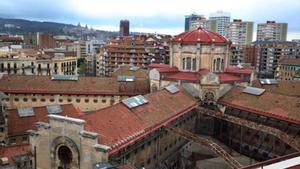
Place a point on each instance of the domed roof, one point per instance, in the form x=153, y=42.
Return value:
x=201, y=36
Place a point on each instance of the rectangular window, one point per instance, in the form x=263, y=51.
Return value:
x=12, y=141
x=188, y=63
x=24, y=139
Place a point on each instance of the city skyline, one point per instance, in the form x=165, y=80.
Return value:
x=151, y=16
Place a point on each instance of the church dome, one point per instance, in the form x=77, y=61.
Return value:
x=201, y=36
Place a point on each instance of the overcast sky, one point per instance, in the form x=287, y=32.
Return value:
x=161, y=16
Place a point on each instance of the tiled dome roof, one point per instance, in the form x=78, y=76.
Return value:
x=201, y=36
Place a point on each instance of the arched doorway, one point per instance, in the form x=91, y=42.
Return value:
x=64, y=154
x=65, y=157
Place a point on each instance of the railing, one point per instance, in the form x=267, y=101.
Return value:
x=290, y=140
x=208, y=143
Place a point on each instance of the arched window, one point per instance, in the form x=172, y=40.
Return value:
x=183, y=63
x=188, y=63
x=194, y=64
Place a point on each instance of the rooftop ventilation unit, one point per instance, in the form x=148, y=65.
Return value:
x=25, y=112
x=126, y=78
x=254, y=91
x=172, y=89
x=268, y=81
x=135, y=101
x=65, y=77
x=54, y=109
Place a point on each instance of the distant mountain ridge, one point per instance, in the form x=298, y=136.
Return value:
x=23, y=26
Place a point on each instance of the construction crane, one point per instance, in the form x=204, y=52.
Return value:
x=294, y=143
x=208, y=143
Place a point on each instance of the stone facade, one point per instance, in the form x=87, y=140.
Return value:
x=82, y=102
x=34, y=66
x=201, y=56
x=63, y=142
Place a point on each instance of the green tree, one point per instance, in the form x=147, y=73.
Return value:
x=81, y=66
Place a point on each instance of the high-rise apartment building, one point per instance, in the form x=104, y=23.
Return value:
x=121, y=51
x=268, y=54
x=222, y=18
x=124, y=28
x=191, y=18
x=240, y=32
x=272, y=31
x=204, y=23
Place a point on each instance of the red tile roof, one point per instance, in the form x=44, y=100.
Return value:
x=84, y=85
x=19, y=125
x=285, y=87
x=227, y=78
x=12, y=151
x=200, y=36
x=125, y=71
x=268, y=104
x=235, y=69
x=167, y=69
x=196, y=76
x=203, y=72
x=158, y=65
x=186, y=76
x=118, y=122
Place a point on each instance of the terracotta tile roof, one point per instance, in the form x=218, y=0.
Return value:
x=203, y=72
x=118, y=122
x=186, y=76
x=19, y=125
x=124, y=71
x=285, y=87
x=196, y=76
x=84, y=85
x=158, y=65
x=269, y=104
x=12, y=151
x=235, y=69
x=167, y=69
x=200, y=35
x=113, y=123
x=227, y=78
